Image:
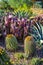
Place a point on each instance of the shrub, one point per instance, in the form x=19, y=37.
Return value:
x=42, y=61
x=19, y=55
x=29, y=46
x=4, y=59
x=11, y=42
x=35, y=61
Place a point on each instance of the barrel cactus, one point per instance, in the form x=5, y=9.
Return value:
x=11, y=42
x=29, y=46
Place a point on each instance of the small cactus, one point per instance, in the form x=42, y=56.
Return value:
x=11, y=42
x=29, y=46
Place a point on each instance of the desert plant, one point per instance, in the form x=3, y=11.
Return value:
x=29, y=46
x=4, y=58
x=42, y=61
x=11, y=42
x=36, y=29
x=19, y=55
x=38, y=4
x=23, y=12
x=35, y=61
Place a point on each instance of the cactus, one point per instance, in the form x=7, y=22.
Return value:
x=11, y=42
x=29, y=46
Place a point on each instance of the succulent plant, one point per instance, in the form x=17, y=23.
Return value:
x=4, y=58
x=19, y=55
x=20, y=26
x=36, y=29
x=11, y=42
x=29, y=46
x=35, y=61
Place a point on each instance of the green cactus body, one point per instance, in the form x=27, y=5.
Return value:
x=29, y=46
x=11, y=42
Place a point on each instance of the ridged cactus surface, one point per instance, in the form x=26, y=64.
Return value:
x=29, y=46
x=11, y=42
